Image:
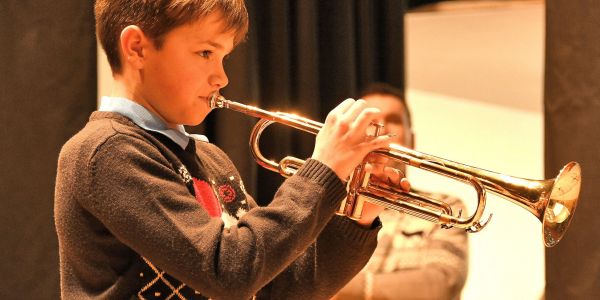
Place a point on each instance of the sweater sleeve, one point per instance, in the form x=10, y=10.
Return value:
x=145, y=204
x=341, y=250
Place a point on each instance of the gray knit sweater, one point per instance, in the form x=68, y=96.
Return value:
x=137, y=218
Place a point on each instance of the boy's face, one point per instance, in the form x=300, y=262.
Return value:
x=177, y=79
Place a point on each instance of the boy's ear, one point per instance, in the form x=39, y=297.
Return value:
x=133, y=44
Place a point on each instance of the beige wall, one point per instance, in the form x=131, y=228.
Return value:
x=474, y=80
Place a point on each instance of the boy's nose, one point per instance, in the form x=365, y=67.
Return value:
x=219, y=78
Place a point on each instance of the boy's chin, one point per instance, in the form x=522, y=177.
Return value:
x=195, y=120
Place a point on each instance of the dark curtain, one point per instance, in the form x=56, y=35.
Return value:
x=47, y=91
x=304, y=57
x=572, y=120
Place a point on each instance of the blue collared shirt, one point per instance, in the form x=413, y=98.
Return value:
x=147, y=120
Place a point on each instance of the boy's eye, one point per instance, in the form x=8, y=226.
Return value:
x=205, y=53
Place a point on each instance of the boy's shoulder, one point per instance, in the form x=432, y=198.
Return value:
x=100, y=129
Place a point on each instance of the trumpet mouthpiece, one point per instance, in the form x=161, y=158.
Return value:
x=216, y=101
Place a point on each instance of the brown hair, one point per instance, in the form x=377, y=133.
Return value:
x=158, y=17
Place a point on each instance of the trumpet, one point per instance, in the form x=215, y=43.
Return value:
x=551, y=201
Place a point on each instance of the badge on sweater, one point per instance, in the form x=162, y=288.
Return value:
x=220, y=196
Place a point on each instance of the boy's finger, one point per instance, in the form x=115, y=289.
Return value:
x=405, y=184
x=379, y=142
x=342, y=107
x=365, y=147
x=364, y=120
x=393, y=176
x=357, y=107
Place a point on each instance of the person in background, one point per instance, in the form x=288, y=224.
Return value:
x=414, y=259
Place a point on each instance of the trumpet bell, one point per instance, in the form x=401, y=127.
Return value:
x=562, y=202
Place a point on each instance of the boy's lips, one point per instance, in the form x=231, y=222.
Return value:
x=206, y=97
x=205, y=100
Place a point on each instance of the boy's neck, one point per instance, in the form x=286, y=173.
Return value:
x=124, y=87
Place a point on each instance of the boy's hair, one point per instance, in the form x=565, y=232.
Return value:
x=381, y=88
x=158, y=17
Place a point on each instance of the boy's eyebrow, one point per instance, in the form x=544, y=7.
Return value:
x=212, y=43
x=216, y=45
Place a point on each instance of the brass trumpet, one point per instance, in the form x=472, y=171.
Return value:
x=552, y=201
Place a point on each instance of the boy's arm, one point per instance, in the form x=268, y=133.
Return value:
x=341, y=250
x=144, y=203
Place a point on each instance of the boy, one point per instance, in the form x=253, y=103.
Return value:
x=145, y=210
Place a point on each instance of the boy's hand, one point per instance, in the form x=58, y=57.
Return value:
x=342, y=144
x=393, y=177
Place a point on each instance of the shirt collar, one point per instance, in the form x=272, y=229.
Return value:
x=147, y=120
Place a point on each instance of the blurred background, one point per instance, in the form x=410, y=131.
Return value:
x=508, y=86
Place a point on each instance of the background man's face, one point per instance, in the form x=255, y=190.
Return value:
x=393, y=116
